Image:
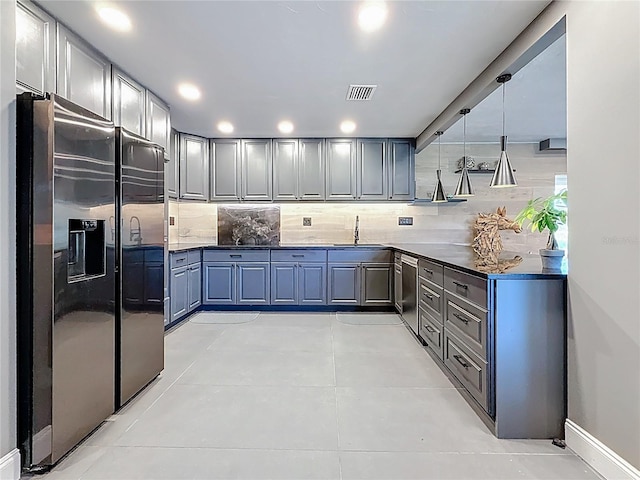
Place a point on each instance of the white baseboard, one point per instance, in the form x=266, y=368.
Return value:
x=10, y=466
x=600, y=457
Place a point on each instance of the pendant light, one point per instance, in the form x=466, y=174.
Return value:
x=503, y=176
x=438, y=192
x=464, y=188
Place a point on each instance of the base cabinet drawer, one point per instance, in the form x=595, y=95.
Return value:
x=432, y=333
x=468, y=322
x=469, y=287
x=471, y=370
x=430, y=298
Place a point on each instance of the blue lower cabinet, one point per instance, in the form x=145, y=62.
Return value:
x=343, y=284
x=284, y=284
x=219, y=283
x=179, y=292
x=154, y=283
x=253, y=283
x=312, y=284
x=195, y=286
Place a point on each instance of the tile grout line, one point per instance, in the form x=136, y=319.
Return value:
x=335, y=391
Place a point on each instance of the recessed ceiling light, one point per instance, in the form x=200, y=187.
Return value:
x=189, y=91
x=347, y=126
x=285, y=126
x=372, y=16
x=116, y=19
x=225, y=127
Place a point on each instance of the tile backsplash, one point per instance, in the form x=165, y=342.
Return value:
x=449, y=223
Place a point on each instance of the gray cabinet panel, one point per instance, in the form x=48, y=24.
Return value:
x=253, y=283
x=128, y=103
x=372, y=169
x=225, y=169
x=171, y=167
x=158, y=122
x=195, y=286
x=312, y=284
x=83, y=75
x=285, y=169
x=343, y=284
x=311, y=169
x=219, y=285
x=194, y=168
x=35, y=49
x=401, y=160
x=377, y=282
x=340, y=170
x=284, y=285
x=256, y=170
x=179, y=293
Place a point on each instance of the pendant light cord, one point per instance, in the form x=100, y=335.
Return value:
x=464, y=140
x=439, y=149
x=503, y=112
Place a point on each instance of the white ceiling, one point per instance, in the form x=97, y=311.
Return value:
x=258, y=62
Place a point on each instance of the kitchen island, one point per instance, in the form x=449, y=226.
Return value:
x=498, y=333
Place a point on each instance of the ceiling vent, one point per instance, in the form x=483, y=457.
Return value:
x=361, y=92
x=553, y=144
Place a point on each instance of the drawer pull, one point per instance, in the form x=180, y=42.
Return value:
x=180, y=260
x=430, y=297
x=426, y=270
x=235, y=256
x=298, y=256
x=461, y=318
x=430, y=329
x=461, y=361
x=461, y=285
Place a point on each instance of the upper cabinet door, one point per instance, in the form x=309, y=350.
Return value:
x=128, y=103
x=158, y=122
x=194, y=167
x=285, y=169
x=401, y=169
x=225, y=169
x=171, y=167
x=341, y=171
x=372, y=169
x=84, y=76
x=311, y=169
x=35, y=49
x=256, y=170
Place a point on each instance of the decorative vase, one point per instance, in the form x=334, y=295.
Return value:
x=551, y=259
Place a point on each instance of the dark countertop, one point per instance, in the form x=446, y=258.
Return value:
x=461, y=257
x=464, y=258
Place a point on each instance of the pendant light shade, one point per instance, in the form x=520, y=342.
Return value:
x=438, y=192
x=464, y=188
x=503, y=177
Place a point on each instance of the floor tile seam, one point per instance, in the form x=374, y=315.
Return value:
x=466, y=452
x=218, y=448
x=75, y=452
x=335, y=392
x=281, y=385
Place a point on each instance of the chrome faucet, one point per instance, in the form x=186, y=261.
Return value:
x=356, y=233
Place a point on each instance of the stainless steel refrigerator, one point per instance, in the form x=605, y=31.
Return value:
x=76, y=337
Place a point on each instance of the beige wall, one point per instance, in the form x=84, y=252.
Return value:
x=334, y=222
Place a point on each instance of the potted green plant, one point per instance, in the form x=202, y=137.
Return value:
x=544, y=214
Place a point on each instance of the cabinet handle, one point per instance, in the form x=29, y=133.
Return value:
x=430, y=272
x=461, y=362
x=461, y=285
x=235, y=256
x=297, y=256
x=430, y=329
x=180, y=260
x=461, y=318
x=430, y=297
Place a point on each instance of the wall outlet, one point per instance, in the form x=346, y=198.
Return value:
x=405, y=220
x=172, y=220
x=306, y=221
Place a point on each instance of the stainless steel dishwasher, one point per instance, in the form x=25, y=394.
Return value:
x=409, y=287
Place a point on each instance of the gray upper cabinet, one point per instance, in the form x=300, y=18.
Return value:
x=225, y=169
x=171, y=174
x=311, y=169
x=285, y=169
x=35, y=49
x=401, y=172
x=371, y=169
x=158, y=122
x=256, y=170
x=128, y=103
x=83, y=75
x=194, y=167
x=341, y=171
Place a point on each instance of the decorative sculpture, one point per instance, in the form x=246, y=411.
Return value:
x=487, y=242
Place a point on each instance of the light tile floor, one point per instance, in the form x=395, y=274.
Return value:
x=297, y=396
